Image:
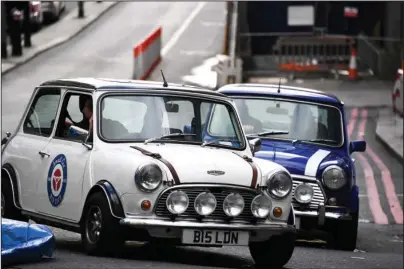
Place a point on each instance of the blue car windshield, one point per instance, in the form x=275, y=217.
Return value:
x=170, y=119
x=291, y=120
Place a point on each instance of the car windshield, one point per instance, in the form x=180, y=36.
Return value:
x=290, y=120
x=172, y=119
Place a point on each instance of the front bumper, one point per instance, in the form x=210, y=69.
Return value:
x=173, y=229
x=324, y=212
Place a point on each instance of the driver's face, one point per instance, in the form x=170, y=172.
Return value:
x=87, y=111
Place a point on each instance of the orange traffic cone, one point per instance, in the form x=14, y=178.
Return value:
x=352, y=70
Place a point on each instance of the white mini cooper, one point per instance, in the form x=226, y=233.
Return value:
x=157, y=162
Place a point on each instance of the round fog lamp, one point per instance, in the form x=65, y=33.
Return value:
x=177, y=202
x=233, y=204
x=304, y=193
x=205, y=203
x=261, y=206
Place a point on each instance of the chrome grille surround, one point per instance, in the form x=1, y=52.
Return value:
x=220, y=192
x=319, y=194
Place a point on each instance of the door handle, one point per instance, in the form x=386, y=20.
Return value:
x=43, y=154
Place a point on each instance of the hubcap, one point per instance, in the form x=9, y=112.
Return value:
x=93, y=224
x=3, y=204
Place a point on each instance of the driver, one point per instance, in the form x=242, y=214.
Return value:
x=86, y=108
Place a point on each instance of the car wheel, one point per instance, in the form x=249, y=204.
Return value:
x=8, y=209
x=101, y=233
x=346, y=233
x=275, y=252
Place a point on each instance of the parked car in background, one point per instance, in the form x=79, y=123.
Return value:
x=305, y=131
x=397, y=95
x=52, y=10
x=36, y=15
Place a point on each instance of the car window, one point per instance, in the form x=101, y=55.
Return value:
x=41, y=116
x=221, y=124
x=302, y=121
x=176, y=119
x=71, y=114
x=149, y=117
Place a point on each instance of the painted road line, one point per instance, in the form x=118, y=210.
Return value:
x=182, y=29
x=389, y=188
x=375, y=206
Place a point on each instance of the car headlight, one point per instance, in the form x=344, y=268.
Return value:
x=334, y=177
x=205, y=203
x=177, y=202
x=261, y=206
x=280, y=185
x=233, y=205
x=304, y=193
x=149, y=177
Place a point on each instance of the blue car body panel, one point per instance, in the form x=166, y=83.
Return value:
x=22, y=242
x=294, y=156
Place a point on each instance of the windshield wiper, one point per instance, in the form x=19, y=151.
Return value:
x=167, y=136
x=216, y=141
x=269, y=133
x=314, y=141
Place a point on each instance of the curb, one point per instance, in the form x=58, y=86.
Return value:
x=389, y=148
x=59, y=41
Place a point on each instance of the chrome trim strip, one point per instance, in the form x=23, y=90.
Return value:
x=303, y=177
x=328, y=215
x=134, y=222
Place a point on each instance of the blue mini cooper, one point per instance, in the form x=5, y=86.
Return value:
x=305, y=131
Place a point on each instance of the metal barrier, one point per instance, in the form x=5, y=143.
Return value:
x=146, y=55
x=305, y=53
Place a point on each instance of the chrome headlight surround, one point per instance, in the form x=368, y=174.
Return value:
x=330, y=177
x=148, y=177
x=279, y=177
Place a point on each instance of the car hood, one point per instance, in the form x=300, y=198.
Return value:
x=192, y=164
x=302, y=159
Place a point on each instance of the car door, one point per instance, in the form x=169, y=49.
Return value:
x=60, y=186
x=24, y=151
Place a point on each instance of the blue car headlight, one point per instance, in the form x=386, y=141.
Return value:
x=334, y=177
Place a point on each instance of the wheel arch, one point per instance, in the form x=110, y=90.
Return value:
x=115, y=205
x=7, y=171
x=292, y=217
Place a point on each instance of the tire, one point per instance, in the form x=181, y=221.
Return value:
x=8, y=209
x=110, y=239
x=275, y=252
x=346, y=233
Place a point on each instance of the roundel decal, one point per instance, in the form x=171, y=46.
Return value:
x=57, y=180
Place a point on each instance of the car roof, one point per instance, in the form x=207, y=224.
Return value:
x=110, y=85
x=288, y=92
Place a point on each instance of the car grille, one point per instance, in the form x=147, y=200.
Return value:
x=318, y=194
x=218, y=215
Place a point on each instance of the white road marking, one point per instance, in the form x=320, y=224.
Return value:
x=364, y=221
x=194, y=52
x=359, y=258
x=182, y=29
x=314, y=161
x=212, y=23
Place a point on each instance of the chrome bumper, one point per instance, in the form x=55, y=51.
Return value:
x=155, y=223
x=321, y=213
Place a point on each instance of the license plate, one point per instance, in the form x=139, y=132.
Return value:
x=297, y=222
x=213, y=237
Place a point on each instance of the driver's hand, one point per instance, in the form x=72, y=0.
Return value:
x=68, y=122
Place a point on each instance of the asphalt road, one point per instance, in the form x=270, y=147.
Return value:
x=104, y=50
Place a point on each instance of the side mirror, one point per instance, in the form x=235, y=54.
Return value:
x=5, y=139
x=255, y=145
x=172, y=108
x=357, y=146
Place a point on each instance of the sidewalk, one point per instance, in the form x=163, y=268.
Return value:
x=58, y=33
x=389, y=131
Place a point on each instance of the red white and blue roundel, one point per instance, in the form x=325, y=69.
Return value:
x=57, y=180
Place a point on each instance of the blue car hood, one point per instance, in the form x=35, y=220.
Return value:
x=300, y=159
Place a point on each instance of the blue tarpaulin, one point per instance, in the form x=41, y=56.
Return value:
x=22, y=242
